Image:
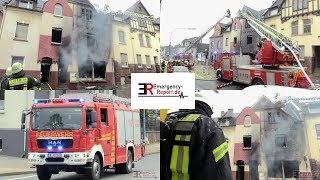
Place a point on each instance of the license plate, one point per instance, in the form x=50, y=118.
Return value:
x=55, y=155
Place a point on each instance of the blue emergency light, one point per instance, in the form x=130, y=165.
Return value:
x=76, y=100
x=215, y=52
x=60, y=147
x=49, y=147
x=41, y=101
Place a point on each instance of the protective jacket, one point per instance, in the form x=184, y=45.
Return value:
x=20, y=81
x=193, y=147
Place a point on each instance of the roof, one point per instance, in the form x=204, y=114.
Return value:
x=138, y=8
x=275, y=4
x=263, y=103
x=254, y=13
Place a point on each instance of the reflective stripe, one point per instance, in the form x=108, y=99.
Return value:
x=220, y=151
x=180, y=159
x=18, y=81
x=190, y=117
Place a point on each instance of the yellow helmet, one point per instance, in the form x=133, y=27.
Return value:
x=9, y=71
x=16, y=67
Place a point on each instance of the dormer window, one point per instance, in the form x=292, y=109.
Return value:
x=58, y=10
x=26, y=4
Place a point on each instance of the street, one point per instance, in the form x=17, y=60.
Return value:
x=148, y=168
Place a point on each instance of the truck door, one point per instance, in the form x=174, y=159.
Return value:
x=91, y=133
x=107, y=136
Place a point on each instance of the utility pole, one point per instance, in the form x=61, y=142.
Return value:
x=144, y=125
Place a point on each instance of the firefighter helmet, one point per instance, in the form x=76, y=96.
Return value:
x=203, y=103
x=16, y=67
x=9, y=71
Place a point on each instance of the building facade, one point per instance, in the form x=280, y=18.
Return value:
x=216, y=42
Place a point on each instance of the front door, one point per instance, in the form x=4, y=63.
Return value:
x=106, y=135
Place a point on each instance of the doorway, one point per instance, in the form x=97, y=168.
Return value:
x=240, y=170
x=316, y=52
x=45, y=70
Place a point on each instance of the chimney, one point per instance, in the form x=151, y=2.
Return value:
x=230, y=112
x=222, y=113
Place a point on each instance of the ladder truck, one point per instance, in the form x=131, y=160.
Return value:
x=276, y=60
x=84, y=133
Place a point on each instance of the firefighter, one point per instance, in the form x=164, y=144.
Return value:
x=193, y=146
x=5, y=78
x=260, y=44
x=20, y=81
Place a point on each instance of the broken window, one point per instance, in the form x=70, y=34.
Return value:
x=2, y=96
x=139, y=60
x=26, y=4
x=22, y=31
x=289, y=168
x=247, y=141
x=281, y=141
x=56, y=35
x=86, y=14
x=249, y=39
x=17, y=59
x=294, y=28
x=124, y=60
x=148, y=61
x=85, y=70
x=99, y=70
x=141, y=40
x=58, y=10
x=148, y=41
x=121, y=37
x=91, y=69
x=306, y=26
x=274, y=169
x=91, y=41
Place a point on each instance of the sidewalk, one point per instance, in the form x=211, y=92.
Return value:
x=16, y=166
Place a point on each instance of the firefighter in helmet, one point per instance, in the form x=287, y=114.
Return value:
x=193, y=146
x=260, y=44
x=5, y=78
x=20, y=81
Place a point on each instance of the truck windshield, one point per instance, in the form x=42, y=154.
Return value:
x=56, y=118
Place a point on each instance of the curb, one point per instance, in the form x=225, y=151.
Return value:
x=17, y=173
x=206, y=79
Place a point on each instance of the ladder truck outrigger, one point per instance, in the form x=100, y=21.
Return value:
x=85, y=133
x=276, y=58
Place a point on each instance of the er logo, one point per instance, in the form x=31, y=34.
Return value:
x=146, y=87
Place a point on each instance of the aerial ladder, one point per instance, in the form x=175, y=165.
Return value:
x=286, y=48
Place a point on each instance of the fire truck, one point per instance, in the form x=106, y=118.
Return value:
x=278, y=62
x=83, y=133
x=185, y=59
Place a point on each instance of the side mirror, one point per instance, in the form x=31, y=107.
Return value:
x=23, y=118
x=94, y=125
x=23, y=126
x=93, y=116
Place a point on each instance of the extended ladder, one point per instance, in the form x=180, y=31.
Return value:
x=97, y=97
x=280, y=42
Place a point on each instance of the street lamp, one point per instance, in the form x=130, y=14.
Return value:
x=171, y=37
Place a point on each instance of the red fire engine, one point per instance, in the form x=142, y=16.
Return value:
x=86, y=136
x=181, y=60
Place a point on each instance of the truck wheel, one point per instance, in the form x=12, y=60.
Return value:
x=219, y=75
x=96, y=168
x=43, y=173
x=257, y=82
x=125, y=168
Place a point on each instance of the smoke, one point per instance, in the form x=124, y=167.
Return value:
x=90, y=42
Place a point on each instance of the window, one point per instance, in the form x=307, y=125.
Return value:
x=148, y=41
x=104, y=117
x=58, y=10
x=247, y=141
x=281, y=141
x=273, y=26
x=294, y=28
x=271, y=118
x=155, y=58
x=247, y=25
x=86, y=14
x=227, y=41
x=139, y=60
x=317, y=129
x=212, y=44
x=121, y=37
x=301, y=52
x=56, y=35
x=249, y=39
x=2, y=96
x=141, y=40
x=142, y=23
x=16, y=59
x=235, y=40
x=88, y=118
x=148, y=61
x=91, y=70
x=124, y=60
x=299, y=4
x=306, y=26
x=22, y=31
x=26, y=4
x=91, y=41
x=247, y=121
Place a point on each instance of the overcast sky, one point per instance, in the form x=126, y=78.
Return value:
x=237, y=100
x=200, y=14
x=153, y=6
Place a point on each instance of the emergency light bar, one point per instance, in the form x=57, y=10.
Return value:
x=41, y=101
x=55, y=101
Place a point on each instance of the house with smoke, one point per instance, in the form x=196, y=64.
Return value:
x=34, y=31
x=274, y=139
x=215, y=42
